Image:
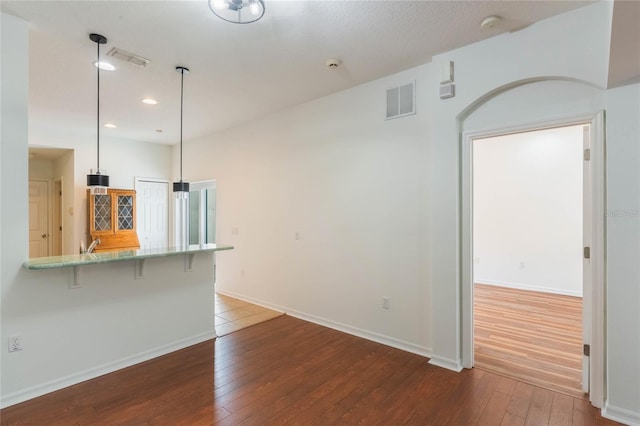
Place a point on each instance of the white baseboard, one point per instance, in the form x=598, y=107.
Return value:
x=519, y=286
x=621, y=415
x=92, y=373
x=355, y=331
x=449, y=364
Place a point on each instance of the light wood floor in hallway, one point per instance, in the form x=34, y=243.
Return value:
x=534, y=337
x=233, y=314
x=286, y=371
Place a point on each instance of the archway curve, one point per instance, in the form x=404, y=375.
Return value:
x=492, y=94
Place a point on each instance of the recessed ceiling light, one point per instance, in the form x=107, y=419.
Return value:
x=149, y=101
x=110, y=125
x=105, y=66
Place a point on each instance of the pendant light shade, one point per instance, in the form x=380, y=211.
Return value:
x=97, y=180
x=181, y=188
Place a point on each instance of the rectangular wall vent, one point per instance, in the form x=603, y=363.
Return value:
x=132, y=58
x=401, y=101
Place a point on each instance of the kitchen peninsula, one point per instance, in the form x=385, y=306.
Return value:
x=97, y=313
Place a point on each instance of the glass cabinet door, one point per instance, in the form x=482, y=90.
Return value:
x=125, y=212
x=102, y=213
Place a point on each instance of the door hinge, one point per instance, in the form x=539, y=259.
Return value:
x=587, y=252
x=586, y=349
x=61, y=228
x=587, y=154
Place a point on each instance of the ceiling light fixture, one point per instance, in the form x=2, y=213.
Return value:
x=110, y=125
x=490, y=22
x=181, y=189
x=238, y=11
x=96, y=180
x=104, y=66
x=149, y=101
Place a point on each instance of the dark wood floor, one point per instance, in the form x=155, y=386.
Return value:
x=529, y=335
x=288, y=371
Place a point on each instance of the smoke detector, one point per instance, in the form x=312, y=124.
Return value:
x=333, y=64
x=132, y=58
x=490, y=22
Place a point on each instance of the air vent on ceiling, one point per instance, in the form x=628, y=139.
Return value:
x=132, y=58
x=401, y=101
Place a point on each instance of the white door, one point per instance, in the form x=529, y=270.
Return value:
x=38, y=218
x=152, y=199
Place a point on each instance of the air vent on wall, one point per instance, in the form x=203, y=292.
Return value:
x=401, y=101
x=132, y=58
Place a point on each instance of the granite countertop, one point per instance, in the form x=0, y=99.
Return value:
x=40, y=263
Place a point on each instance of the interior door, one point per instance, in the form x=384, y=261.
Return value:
x=152, y=213
x=38, y=218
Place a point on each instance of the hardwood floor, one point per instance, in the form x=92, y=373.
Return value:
x=534, y=337
x=288, y=371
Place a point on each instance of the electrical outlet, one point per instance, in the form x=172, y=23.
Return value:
x=297, y=235
x=15, y=343
x=386, y=303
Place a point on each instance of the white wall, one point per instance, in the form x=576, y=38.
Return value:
x=527, y=210
x=354, y=186
x=623, y=251
x=112, y=321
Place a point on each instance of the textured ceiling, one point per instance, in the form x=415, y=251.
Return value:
x=238, y=72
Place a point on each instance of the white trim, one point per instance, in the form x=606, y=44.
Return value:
x=449, y=364
x=529, y=287
x=355, y=331
x=598, y=263
x=621, y=415
x=598, y=247
x=92, y=373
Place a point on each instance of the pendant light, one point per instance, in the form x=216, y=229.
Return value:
x=97, y=181
x=181, y=189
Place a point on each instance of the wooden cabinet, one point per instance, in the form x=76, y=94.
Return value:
x=112, y=219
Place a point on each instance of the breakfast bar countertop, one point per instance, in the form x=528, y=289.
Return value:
x=40, y=263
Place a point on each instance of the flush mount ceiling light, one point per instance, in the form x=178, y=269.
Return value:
x=149, y=101
x=97, y=181
x=238, y=11
x=181, y=189
x=490, y=22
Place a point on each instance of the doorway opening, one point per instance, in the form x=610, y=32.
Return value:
x=528, y=236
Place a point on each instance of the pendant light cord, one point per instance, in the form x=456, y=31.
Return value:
x=98, y=109
x=181, y=103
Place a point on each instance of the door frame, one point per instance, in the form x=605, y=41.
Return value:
x=57, y=201
x=596, y=181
